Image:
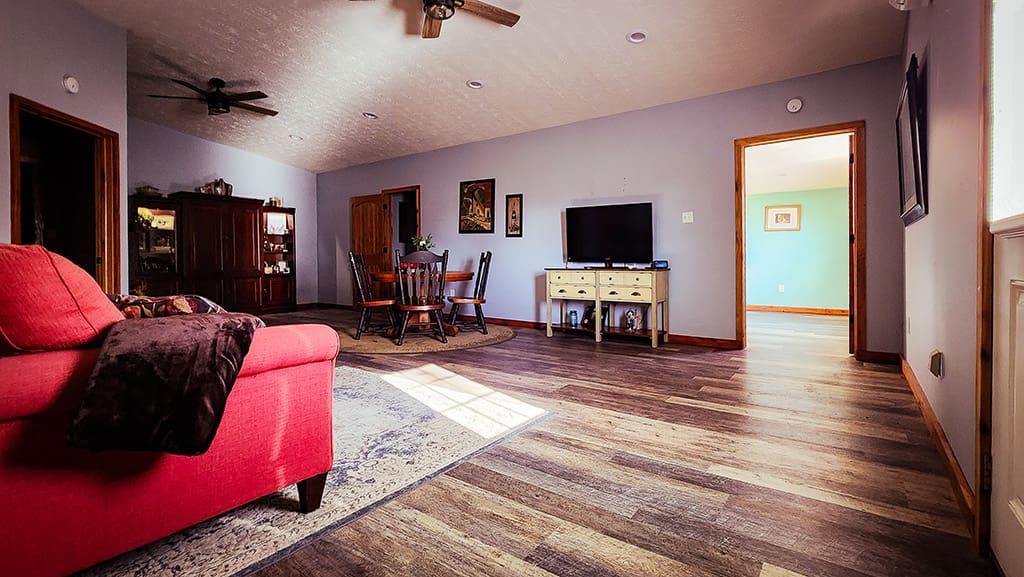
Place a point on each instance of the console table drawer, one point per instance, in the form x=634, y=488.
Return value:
x=572, y=276
x=571, y=291
x=636, y=293
x=626, y=278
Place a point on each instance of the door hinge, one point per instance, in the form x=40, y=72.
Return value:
x=851, y=158
x=99, y=260
x=986, y=473
x=853, y=238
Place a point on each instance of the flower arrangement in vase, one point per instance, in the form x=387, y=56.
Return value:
x=422, y=242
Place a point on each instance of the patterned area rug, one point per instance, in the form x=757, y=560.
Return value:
x=381, y=344
x=392, y=432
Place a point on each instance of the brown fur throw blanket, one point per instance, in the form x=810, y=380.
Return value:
x=162, y=384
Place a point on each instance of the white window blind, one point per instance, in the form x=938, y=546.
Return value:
x=1006, y=122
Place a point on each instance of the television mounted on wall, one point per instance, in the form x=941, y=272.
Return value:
x=909, y=148
x=610, y=234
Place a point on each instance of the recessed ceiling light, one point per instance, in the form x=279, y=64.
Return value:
x=475, y=84
x=636, y=36
x=295, y=137
x=370, y=115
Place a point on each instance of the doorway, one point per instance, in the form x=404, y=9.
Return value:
x=66, y=188
x=381, y=223
x=779, y=223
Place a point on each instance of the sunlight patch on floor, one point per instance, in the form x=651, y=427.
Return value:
x=769, y=570
x=480, y=409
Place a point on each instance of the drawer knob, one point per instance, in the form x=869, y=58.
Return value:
x=561, y=291
x=581, y=291
x=613, y=292
x=636, y=294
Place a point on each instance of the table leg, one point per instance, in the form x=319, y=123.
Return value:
x=549, y=316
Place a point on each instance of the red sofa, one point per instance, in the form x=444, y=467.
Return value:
x=64, y=509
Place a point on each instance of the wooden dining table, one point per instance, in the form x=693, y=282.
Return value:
x=449, y=276
x=391, y=277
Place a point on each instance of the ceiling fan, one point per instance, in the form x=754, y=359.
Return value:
x=219, y=102
x=437, y=11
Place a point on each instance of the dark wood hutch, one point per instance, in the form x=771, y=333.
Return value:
x=232, y=250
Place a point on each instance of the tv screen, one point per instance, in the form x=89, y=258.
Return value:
x=614, y=233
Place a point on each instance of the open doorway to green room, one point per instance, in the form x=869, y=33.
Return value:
x=800, y=226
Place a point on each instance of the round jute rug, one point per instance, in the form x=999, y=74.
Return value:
x=381, y=344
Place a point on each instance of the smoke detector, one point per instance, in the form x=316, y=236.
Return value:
x=908, y=4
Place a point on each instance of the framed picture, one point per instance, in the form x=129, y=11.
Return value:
x=910, y=155
x=476, y=206
x=777, y=218
x=514, y=214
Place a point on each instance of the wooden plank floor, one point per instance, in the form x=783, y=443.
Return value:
x=787, y=459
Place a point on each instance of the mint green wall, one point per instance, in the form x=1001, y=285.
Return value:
x=812, y=263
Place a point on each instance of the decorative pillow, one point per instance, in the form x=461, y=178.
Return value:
x=47, y=303
x=135, y=307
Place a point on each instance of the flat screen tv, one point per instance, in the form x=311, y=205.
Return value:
x=609, y=234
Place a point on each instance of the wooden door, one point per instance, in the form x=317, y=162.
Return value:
x=203, y=239
x=242, y=252
x=371, y=232
x=852, y=257
x=1008, y=446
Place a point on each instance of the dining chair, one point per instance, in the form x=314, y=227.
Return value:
x=421, y=288
x=477, y=299
x=367, y=302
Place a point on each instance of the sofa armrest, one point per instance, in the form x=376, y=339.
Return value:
x=288, y=346
x=38, y=383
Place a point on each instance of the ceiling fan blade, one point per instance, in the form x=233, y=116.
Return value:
x=189, y=85
x=431, y=27
x=254, y=95
x=491, y=12
x=177, y=97
x=252, y=108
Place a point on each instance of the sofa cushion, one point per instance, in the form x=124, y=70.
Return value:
x=48, y=303
x=140, y=307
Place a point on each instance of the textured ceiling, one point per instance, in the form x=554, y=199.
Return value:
x=325, y=62
x=806, y=164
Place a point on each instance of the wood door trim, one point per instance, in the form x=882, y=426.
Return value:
x=858, y=289
x=415, y=188
x=108, y=184
x=982, y=512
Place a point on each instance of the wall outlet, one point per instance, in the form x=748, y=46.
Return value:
x=688, y=217
x=451, y=292
x=782, y=288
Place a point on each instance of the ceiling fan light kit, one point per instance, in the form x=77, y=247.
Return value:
x=441, y=9
x=437, y=11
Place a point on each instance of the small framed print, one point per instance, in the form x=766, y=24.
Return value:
x=780, y=218
x=514, y=215
x=476, y=206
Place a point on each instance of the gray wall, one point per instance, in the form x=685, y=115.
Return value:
x=40, y=42
x=942, y=248
x=680, y=156
x=172, y=161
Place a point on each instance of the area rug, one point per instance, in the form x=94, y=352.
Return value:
x=381, y=344
x=392, y=432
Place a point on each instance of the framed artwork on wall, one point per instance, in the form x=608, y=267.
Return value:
x=514, y=215
x=779, y=218
x=476, y=206
x=910, y=154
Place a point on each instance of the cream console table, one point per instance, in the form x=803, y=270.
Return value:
x=640, y=286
